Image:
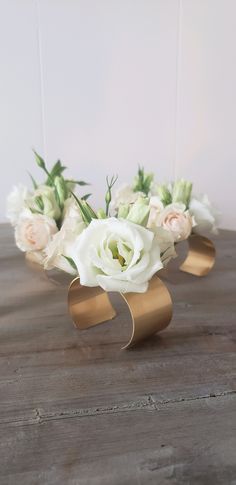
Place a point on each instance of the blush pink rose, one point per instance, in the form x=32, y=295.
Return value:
x=34, y=231
x=176, y=219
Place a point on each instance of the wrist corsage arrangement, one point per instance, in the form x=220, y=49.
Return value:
x=38, y=214
x=185, y=216
x=120, y=248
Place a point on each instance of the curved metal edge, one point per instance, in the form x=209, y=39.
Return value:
x=201, y=256
x=88, y=306
x=150, y=311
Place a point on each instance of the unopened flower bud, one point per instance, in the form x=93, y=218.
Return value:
x=101, y=214
x=164, y=194
x=182, y=191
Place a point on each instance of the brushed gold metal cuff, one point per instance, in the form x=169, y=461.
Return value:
x=151, y=312
x=201, y=256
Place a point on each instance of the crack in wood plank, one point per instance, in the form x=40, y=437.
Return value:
x=148, y=403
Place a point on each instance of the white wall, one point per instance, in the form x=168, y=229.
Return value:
x=106, y=84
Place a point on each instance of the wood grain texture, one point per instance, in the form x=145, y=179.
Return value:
x=74, y=409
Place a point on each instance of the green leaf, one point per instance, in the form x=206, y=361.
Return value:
x=39, y=202
x=80, y=207
x=56, y=171
x=86, y=210
x=86, y=196
x=57, y=196
x=78, y=182
x=71, y=262
x=35, y=185
x=34, y=211
x=89, y=210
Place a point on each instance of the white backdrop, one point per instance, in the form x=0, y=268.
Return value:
x=107, y=84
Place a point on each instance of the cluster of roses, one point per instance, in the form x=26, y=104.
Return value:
x=119, y=248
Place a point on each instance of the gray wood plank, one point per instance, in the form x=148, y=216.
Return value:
x=71, y=402
x=176, y=443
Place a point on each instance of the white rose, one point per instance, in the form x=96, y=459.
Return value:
x=50, y=205
x=16, y=202
x=156, y=206
x=34, y=231
x=205, y=216
x=124, y=195
x=60, y=248
x=176, y=219
x=117, y=255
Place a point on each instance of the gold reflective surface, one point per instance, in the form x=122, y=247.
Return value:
x=88, y=306
x=201, y=256
x=150, y=311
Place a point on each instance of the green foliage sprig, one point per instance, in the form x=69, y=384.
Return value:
x=86, y=210
x=56, y=180
x=108, y=196
x=142, y=181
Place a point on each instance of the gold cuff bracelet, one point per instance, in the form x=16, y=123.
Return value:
x=150, y=311
x=201, y=256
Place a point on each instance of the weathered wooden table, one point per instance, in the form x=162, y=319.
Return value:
x=74, y=409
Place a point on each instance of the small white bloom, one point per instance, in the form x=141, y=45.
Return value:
x=17, y=202
x=176, y=219
x=117, y=255
x=124, y=196
x=156, y=206
x=34, y=231
x=205, y=216
x=62, y=243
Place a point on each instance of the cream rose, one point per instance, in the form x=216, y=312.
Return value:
x=176, y=219
x=117, y=255
x=16, y=202
x=34, y=231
